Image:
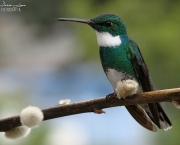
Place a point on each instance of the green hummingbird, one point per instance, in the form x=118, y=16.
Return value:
x=122, y=62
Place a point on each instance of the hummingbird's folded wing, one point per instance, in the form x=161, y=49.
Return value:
x=143, y=76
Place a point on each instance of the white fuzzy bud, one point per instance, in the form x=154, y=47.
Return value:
x=64, y=102
x=31, y=116
x=176, y=103
x=17, y=132
x=126, y=88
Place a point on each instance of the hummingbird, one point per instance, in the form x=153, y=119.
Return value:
x=125, y=68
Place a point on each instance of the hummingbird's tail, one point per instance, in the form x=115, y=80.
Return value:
x=165, y=123
x=143, y=116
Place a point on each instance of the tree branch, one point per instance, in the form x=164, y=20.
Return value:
x=100, y=103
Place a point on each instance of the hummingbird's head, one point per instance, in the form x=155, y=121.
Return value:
x=108, y=28
x=109, y=23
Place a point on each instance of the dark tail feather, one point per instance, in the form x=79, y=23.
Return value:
x=164, y=121
x=155, y=113
x=142, y=114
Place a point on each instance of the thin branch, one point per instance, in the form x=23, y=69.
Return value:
x=100, y=103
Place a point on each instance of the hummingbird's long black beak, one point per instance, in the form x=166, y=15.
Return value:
x=89, y=22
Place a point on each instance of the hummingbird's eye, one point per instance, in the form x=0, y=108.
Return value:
x=108, y=24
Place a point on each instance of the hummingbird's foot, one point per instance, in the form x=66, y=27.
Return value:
x=99, y=111
x=126, y=88
x=176, y=103
x=112, y=95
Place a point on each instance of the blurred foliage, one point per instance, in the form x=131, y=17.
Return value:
x=38, y=135
x=154, y=25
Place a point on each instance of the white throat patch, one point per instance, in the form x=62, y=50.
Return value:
x=105, y=39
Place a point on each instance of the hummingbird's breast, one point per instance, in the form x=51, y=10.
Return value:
x=116, y=62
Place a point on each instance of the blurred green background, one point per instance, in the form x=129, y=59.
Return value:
x=42, y=59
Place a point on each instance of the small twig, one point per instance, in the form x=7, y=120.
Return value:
x=100, y=103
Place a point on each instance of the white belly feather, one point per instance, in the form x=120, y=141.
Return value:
x=115, y=76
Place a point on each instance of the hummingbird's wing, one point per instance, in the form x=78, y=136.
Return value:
x=153, y=110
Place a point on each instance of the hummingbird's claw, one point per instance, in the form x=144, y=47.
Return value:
x=112, y=95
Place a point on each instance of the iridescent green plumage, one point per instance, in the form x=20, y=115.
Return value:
x=118, y=58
